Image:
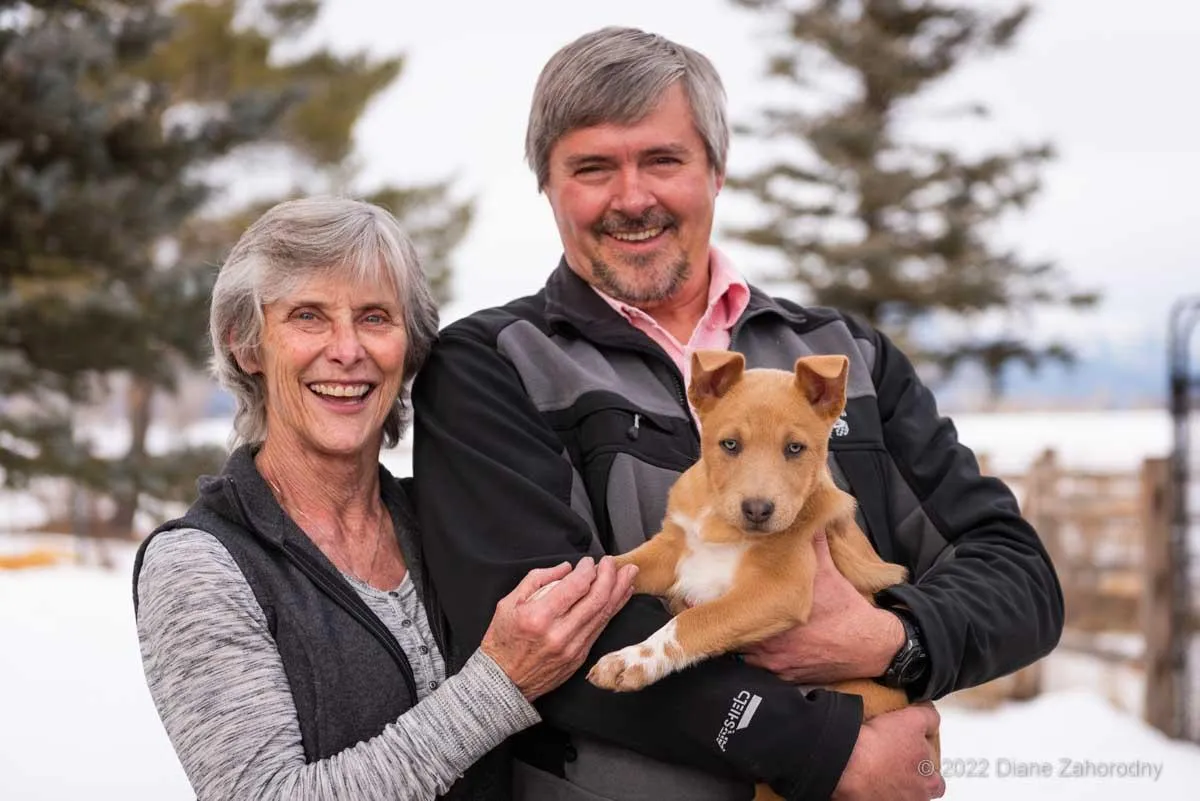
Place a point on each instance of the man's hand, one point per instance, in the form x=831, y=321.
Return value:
x=893, y=759
x=845, y=637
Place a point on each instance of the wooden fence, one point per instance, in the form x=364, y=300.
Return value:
x=1108, y=534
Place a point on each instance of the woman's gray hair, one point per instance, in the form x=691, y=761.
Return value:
x=287, y=246
x=618, y=75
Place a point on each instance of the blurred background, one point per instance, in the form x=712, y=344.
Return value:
x=1008, y=190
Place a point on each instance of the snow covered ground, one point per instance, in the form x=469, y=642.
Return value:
x=76, y=720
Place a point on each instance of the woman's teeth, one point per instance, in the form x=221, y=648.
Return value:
x=341, y=390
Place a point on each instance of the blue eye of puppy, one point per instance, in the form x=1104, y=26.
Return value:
x=795, y=448
x=731, y=445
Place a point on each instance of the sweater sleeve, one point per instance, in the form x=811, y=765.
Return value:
x=219, y=684
x=494, y=493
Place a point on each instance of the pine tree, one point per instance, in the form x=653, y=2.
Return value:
x=222, y=49
x=115, y=118
x=896, y=231
x=90, y=180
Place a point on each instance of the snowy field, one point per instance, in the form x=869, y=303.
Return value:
x=76, y=720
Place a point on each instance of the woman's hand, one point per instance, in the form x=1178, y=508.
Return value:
x=541, y=634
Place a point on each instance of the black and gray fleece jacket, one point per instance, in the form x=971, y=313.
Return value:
x=550, y=428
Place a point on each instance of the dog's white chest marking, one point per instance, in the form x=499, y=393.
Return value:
x=706, y=570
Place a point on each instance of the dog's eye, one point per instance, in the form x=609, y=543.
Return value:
x=795, y=448
x=731, y=445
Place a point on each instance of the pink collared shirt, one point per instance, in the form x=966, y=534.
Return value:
x=728, y=297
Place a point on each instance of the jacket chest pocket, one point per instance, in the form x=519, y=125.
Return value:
x=628, y=461
x=594, y=431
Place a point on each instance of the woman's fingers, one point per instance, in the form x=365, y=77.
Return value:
x=543, y=630
x=538, y=580
x=555, y=601
x=560, y=601
x=592, y=614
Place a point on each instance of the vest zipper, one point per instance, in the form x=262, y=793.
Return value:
x=349, y=601
x=340, y=593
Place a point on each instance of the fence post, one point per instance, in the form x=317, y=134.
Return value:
x=1161, y=691
x=1041, y=505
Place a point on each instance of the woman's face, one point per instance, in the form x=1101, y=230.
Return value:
x=332, y=356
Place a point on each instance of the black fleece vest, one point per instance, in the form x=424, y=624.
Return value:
x=348, y=675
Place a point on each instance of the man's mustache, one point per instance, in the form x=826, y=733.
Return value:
x=617, y=223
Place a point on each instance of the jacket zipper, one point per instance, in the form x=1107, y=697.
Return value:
x=680, y=392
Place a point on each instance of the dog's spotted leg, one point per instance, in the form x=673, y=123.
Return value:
x=637, y=666
x=734, y=620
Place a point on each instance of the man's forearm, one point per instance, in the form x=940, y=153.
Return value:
x=791, y=739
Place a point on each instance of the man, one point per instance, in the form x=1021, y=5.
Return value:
x=553, y=427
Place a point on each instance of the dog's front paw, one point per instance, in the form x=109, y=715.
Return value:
x=622, y=671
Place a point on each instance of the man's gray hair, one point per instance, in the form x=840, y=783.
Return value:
x=618, y=75
x=287, y=246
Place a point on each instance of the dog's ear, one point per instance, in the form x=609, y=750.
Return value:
x=713, y=373
x=822, y=379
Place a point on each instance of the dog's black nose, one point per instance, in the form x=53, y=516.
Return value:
x=758, y=510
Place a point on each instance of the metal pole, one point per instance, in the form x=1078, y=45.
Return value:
x=1185, y=315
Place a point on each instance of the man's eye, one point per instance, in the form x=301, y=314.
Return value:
x=730, y=445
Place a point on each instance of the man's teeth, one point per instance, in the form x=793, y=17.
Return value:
x=341, y=390
x=639, y=236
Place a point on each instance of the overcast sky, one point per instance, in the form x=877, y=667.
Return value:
x=1111, y=83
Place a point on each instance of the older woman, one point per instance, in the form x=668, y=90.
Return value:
x=289, y=641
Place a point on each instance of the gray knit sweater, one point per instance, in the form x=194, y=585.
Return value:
x=219, y=684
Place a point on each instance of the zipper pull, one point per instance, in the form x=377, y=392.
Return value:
x=633, y=431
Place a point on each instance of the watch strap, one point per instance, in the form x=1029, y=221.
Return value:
x=911, y=662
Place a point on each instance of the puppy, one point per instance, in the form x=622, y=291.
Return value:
x=735, y=557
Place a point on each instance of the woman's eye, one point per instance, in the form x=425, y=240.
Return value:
x=730, y=445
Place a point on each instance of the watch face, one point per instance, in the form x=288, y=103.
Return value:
x=909, y=663
x=910, y=671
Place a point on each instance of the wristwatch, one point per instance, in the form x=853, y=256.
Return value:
x=911, y=662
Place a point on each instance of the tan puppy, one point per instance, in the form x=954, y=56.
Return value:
x=735, y=556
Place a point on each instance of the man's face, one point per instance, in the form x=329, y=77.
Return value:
x=634, y=204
